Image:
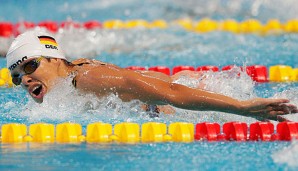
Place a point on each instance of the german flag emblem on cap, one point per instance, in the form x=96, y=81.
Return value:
x=47, y=40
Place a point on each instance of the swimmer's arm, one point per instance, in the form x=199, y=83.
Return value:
x=155, y=91
x=160, y=92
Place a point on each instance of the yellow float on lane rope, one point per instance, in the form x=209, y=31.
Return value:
x=13, y=133
x=5, y=78
x=280, y=73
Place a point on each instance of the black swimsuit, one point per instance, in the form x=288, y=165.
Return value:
x=152, y=111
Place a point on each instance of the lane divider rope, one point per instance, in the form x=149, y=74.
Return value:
x=205, y=25
x=149, y=132
x=258, y=73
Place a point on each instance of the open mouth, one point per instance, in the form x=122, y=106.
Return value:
x=37, y=90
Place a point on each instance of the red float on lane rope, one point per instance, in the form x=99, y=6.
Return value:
x=287, y=131
x=258, y=73
x=177, y=69
x=70, y=24
x=89, y=25
x=49, y=25
x=235, y=131
x=207, y=131
x=6, y=29
x=163, y=69
x=261, y=131
x=208, y=68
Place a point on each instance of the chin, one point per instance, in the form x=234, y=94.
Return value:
x=38, y=100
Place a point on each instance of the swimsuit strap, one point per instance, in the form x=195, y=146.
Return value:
x=74, y=82
x=80, y=64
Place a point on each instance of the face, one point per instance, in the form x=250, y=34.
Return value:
x=37, y=76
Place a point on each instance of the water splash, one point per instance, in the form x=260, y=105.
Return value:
x=5, y=43
x=66, y=104
x=111, y=41
x=288, y=155
x=292, y=95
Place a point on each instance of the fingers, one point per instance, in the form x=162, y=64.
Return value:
x=280, y=109
x=283, y=108
x=273, y=113
x=276, y=116
x=272, y=109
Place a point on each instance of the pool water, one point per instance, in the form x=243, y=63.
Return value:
x=150, y=47
x=163, y=156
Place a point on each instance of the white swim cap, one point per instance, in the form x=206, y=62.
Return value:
x=32, y=44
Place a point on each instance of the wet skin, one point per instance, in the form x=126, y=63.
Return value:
x=149, y=87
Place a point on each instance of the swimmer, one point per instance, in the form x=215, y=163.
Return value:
x=36, y=62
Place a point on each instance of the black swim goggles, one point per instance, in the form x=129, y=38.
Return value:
x=28, y=68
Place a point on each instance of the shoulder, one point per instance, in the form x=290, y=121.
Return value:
x=102, y=79
x=98, y=74
x=82, y=61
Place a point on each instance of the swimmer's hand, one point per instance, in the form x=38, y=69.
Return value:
x=263, y=109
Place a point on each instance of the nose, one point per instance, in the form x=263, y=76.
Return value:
x=26, y=80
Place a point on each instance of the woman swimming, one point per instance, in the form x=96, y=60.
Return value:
x=36, y=62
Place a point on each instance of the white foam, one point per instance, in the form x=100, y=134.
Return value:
x=292, y=95
x=288, y=155
x=5, y=43
x=78, y=43
x=235, y=83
